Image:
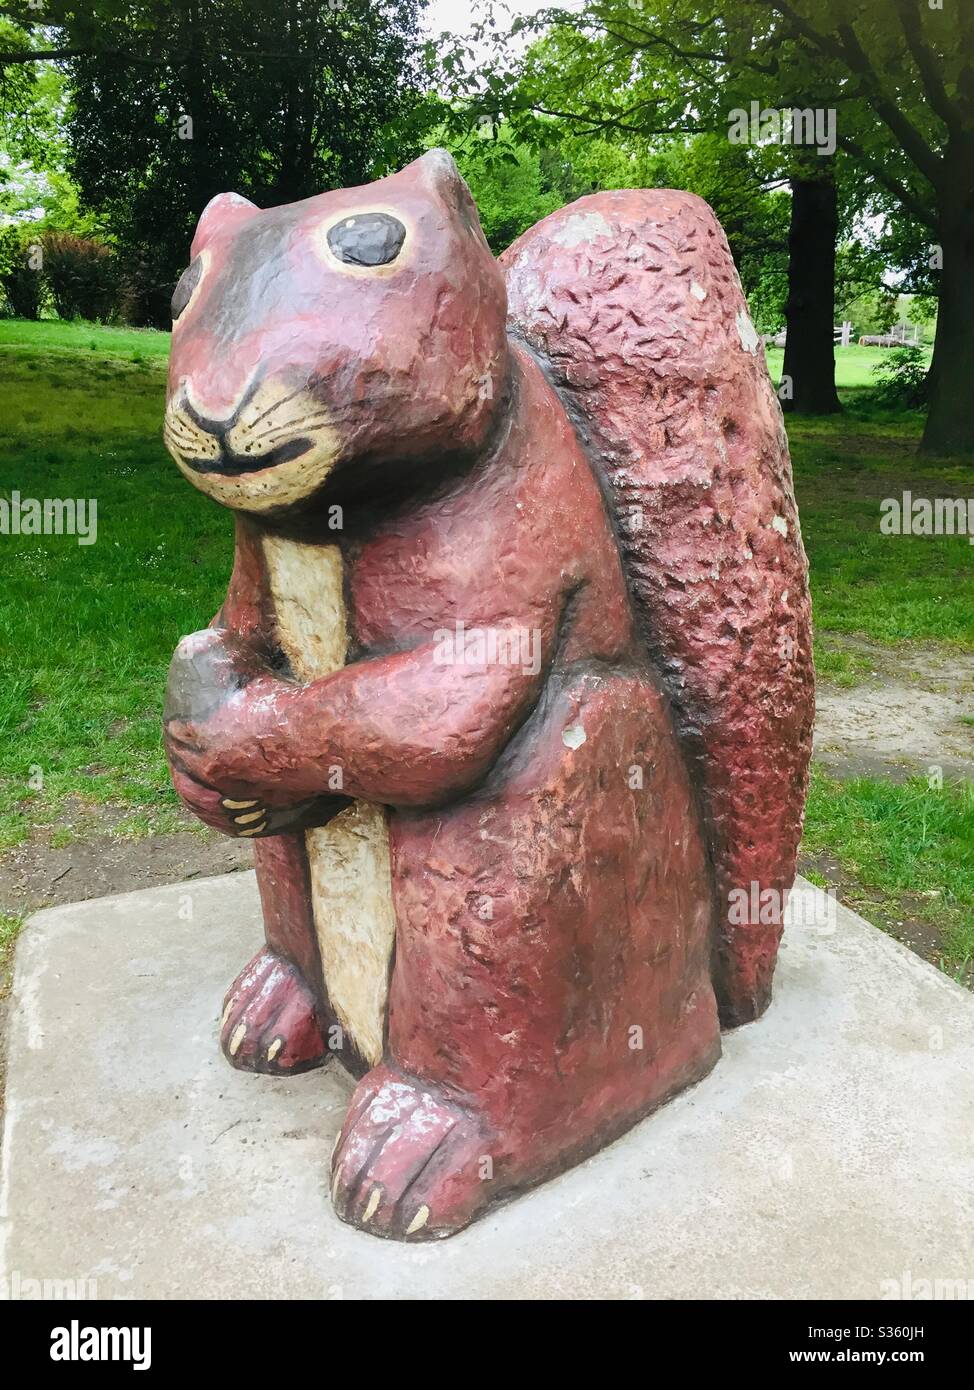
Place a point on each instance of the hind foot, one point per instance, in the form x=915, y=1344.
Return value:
x=409, y=1164
x=270, y=1022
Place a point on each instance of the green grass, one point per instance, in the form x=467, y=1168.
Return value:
x=907, y=846
x=892, y=588
x=840, y=667
x=87, y=631
x=853, y=365
x=54, y=335
x=9, y=931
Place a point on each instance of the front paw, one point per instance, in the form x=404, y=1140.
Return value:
x=217, y=811
x=248, y=816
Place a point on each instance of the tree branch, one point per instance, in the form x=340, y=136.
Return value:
x=36, y=55
x=849, y=51
x=923, y=156
x=654, y=39
x=899, y=190
x=922, y=56
x=592, y=123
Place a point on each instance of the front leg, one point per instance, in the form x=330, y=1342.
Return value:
x=207, y=669
x=408, y=729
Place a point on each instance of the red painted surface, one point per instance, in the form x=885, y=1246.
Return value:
x=632, y=301
x=271, y=1019
x=553, y=820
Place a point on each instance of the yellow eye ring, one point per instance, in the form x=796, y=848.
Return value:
x=377, y=229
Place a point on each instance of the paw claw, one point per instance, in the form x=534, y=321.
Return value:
x=255, y=830
x=406, y=1152
x=418, y=1221
x=270, y=1021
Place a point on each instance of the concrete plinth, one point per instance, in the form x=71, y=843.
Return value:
x=829, y=1155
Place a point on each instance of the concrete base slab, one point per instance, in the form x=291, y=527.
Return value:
x=829, y=1154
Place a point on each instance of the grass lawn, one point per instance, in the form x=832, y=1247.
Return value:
x=853, y=365
x=891, y=588
x=904, y=849
x=54, y=335
x=86, y=633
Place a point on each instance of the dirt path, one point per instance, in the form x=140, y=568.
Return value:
x=905, y=717
x=35, y=875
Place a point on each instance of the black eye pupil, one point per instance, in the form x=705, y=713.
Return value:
x=368, y=238
x=184, y=290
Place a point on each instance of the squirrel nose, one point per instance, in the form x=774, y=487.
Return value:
x=215, y=391
x=215, y=426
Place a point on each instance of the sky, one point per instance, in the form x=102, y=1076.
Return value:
x=456, y=16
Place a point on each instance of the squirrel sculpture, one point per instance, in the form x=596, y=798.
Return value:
x=512, y=686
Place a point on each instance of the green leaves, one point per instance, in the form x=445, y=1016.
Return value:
x=173, y=101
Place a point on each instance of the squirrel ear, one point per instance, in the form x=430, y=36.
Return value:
x=224, y=211
x=440, y=174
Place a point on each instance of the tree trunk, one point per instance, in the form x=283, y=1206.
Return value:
x=950, y=419
x=809, y=367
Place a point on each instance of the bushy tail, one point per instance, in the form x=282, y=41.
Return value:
x=631, y=302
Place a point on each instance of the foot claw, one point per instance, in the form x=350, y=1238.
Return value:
x=418, y=1221
x=408, y=1161
x=370, y=1207
x=270, y=1022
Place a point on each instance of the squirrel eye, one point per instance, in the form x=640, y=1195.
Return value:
x=183, y=292
x=368, y=238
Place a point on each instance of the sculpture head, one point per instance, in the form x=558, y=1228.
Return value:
x=360, y=329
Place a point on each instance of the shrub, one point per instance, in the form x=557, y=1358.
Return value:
x=902, y=379
x=21, y=282
x=146, y=289
x=82, y=276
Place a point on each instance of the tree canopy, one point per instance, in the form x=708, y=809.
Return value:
x=173, y=101
x=898, y=76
